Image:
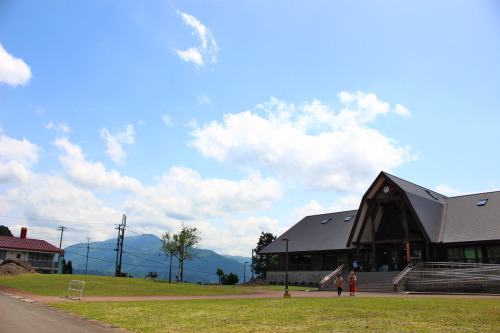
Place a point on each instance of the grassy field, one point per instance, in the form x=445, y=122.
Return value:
x=57, y=285
x=303, y=315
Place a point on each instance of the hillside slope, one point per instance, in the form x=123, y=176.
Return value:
x=142, y=254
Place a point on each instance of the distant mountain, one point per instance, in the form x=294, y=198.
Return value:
x=142, y=254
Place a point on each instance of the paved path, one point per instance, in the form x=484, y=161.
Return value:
x=253, y=294
x=21, y=315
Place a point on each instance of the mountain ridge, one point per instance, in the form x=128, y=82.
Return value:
x=142, y=254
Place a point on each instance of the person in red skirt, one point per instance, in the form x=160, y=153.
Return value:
x=352, y=284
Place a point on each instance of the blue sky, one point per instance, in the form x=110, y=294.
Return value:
x=237, y=117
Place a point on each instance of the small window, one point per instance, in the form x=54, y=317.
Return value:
x=432, y=195
x=482, y=202
x=18, y=256
x=326, y=221
x=347, y=219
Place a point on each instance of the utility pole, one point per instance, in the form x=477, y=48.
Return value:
x=87, y=263
x=252, y=265
x=62, y=230
x=119, y=245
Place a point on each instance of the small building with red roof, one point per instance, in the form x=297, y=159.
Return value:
x=39, y=253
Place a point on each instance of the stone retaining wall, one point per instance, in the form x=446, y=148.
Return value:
x=297, y=277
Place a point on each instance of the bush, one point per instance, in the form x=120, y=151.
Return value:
x=230, y=279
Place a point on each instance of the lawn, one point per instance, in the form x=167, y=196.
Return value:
x=57, y=285
x=303, y=315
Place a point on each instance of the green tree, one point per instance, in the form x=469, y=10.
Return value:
x=220, y=273
x=260, y=261
x=152, y=275
x=230, y=279
x=67, y=267
x=181, y=245
x=5, y=231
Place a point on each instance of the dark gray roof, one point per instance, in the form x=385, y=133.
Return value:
x=468, y=222
x=444, y=219
x=429, y=210
x=311, y=235
x=454, y=219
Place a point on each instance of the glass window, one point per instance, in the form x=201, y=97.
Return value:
x=455, y=253
x=482, y=202
x=493, y=251
x=3, y=253
x=470, y=253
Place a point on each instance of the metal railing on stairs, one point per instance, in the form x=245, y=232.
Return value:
x=323, y=284
x=453, y=277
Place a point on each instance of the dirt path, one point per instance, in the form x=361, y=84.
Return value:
x=253, y=294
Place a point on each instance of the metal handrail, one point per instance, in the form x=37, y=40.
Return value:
x=456, y=264
x=329, y=276
x=402, y=274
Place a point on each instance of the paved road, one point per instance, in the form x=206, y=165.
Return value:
x=20, y=316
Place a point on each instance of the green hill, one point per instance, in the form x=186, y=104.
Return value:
x=142, y=254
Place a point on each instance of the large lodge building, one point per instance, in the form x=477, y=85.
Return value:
x=397, y=223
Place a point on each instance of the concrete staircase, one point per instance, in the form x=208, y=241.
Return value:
x=379, y=282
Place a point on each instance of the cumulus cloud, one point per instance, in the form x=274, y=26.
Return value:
x=240, y=236
x=215, y=206
x=207, y=49
x=59, y=127
x=16, y=158
x=309, y=144
x=13, y=71
x=115, y=143
x=448, y=190
x=55, y=198
x=311, y=208
x=92, y=175
x=183, y=194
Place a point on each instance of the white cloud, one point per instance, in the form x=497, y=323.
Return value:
x=114, y=143
x=60, y=127
x=55, y=198
x=240, y=236
x=215, y=206
x=312, y=208
x=191, y=55
x=447, y=190
x=203, y=99
x=183, y=194
x=206, y=50
x=92, y=175
x=348, y=202
x=16, y=158
x=166, y=119
x=309, y=144
x=13, y=71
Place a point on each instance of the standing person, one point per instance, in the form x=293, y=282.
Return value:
x=339, y=282
x=355, y=266
x=352, y=284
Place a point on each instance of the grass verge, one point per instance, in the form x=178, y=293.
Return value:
x=57, y=285
x=302, y=315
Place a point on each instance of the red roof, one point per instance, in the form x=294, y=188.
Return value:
x=14, y=243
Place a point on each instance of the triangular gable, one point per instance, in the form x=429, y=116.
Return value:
x=426, y=207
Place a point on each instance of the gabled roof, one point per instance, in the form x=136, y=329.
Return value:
x=468, y=222
x=428, y=205
x=453, y=219
x=27, y=244
x=315, y=233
